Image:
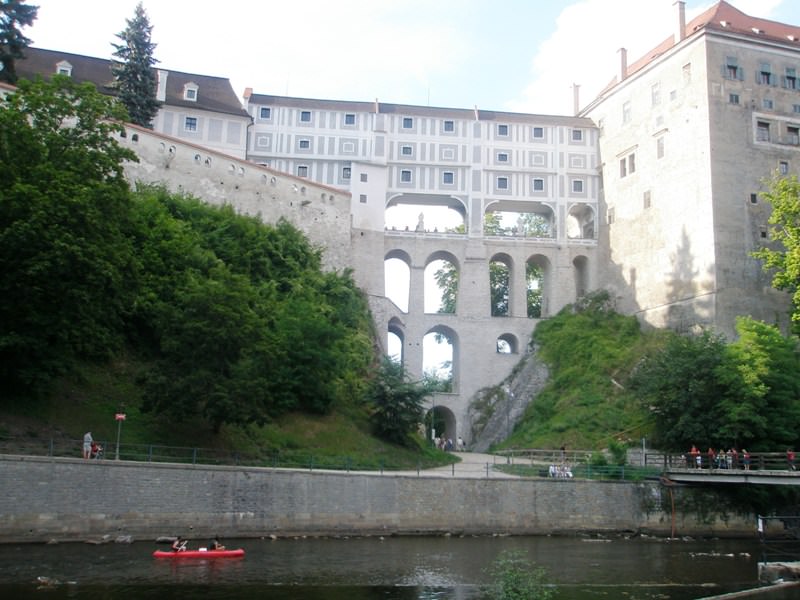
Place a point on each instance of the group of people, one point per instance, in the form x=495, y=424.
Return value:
x=730, y=459
x=91, y=449
x=562, y=470
x=719, y=459
x=447, y=444
x=179, y=545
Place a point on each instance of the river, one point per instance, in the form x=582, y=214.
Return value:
x=394, y=568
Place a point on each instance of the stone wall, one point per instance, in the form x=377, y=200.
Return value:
x=72, y=499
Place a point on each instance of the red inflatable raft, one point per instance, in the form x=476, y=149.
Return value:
x=199, y=553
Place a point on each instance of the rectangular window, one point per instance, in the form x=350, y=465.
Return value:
x=302, y=170
x=793, y=135
x=502, y=157
x=346, y=171
x=266, y=112
x=767, y=103
x=305, y=116
x=408, y=123
x=449, y=126
x=660, y=147
x=190, y=124
x=304, y=144
x=190, y=94
x=405, y=176
x=627, y=165
x=577, y=186
x=733, y=98
x=538, y=184
x=502, y=183
x=796, y=108
x=655, y=94
x=448, y=178
x=646, y=199
x=364, y=177
x=502, y=130
x=349, y=119
x=538, y=133
x=753, y=198
x=731, y=69
x=626, y=112
x=348, y=147
x=610, y=216
x=406, y=150
x=362, y=198
x=762, y=131
x=577, y=135
x=764, y=74
x=790, y=79
x=783, y=167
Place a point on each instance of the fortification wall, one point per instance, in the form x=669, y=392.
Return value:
x=319, y=211
x=73, y=499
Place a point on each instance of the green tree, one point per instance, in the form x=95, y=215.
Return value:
x=760, y=410
x=135, y=77
x=14, y=15
x=681, y=388
x=397, y=403
x=67, y=267
x=784, y=261
x=515, y=577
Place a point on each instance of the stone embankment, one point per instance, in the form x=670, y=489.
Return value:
x=73, y=499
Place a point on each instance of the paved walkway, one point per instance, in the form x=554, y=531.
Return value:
x=473, y=464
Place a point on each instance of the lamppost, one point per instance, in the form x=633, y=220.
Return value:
x=119, y=418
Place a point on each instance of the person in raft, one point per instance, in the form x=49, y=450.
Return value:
x=216, y=544
x=179, y=545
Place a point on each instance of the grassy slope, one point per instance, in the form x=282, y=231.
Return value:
x=585, y=403
x=90, y=401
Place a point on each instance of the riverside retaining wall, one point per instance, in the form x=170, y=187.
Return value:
x=73, y=499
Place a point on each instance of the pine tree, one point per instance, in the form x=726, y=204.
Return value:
x=136, y=79
x=14, y=14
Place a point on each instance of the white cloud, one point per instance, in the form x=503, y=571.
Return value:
x=584, y=49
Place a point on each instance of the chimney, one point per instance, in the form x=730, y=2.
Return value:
x=161, y=89
x=623, y=64
x=576, y=106
x=248, y=91
x=680, y=10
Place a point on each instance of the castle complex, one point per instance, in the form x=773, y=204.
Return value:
x=651, y=191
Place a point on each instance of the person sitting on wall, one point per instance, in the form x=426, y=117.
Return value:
x=216, y=544
x=179, y=545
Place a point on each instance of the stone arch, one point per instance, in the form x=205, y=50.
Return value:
x=581, y=272
x=542, y=263
x=408, y=212
x=507, y=343
x=581, y=221
x=397, y=278
x=521, y=219
x=501, y=284
x=444, y=422
x=396, y=349
x=436, y=298
x=440, y=346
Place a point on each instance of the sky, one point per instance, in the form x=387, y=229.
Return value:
x=503, y=55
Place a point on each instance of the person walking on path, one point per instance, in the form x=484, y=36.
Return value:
x=87, y=444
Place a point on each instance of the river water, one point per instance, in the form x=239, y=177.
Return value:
x=394, y=568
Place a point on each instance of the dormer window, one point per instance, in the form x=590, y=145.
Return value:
x=64, y=68
x=190, y=92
